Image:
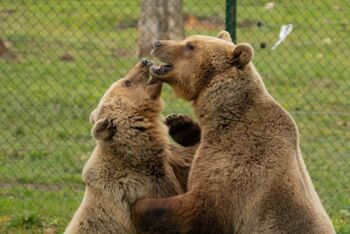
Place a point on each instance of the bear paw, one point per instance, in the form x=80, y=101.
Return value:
x=183, y=129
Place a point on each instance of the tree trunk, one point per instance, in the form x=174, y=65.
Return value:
x=175, y=20
x=159, y=19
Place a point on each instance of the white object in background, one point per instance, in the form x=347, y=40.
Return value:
x=269, y=6
x=285, y=30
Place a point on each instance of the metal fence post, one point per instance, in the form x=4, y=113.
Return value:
x=231, y=18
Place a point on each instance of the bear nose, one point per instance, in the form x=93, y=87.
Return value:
x=157, y=43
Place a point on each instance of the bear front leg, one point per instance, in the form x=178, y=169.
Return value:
x=185, y=132
x=183, y=129
x=164, y=215
x=186, y=213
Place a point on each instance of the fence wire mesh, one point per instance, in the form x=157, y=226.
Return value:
x=58, y=57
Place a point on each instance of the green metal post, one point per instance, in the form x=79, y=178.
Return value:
x=231, y=18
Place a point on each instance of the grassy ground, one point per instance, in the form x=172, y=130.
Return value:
x=45, y=100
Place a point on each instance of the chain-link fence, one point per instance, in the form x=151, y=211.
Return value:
x=58, y=57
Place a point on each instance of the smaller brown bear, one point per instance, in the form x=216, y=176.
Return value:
x=132, y=159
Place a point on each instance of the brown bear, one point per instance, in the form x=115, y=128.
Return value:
x=132, y=159
x=248, y=175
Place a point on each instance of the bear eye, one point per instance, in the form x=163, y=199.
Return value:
x=189, y=46
x=127, y=83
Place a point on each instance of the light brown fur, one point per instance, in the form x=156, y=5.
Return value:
x=248, y=175
x=132, y=159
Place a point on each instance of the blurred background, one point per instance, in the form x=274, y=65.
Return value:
x=58, y=57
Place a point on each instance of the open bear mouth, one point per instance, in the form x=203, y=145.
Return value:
x=161, y=69
x=153, y=81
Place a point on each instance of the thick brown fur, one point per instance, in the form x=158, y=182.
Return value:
x=132, y=159
x=248, y=175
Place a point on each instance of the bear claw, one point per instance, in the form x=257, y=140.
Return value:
x=146, y=62
x=183, y=129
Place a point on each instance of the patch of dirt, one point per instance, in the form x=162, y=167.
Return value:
x=4, y=219
x=206, y=23
x=6, y=12
x=40, y=186
x=50, y=230
x=345, y=124
x=213, y=22
x=67, y=57
x=246, y=23
x=5, y=52
x=122, y=52
x=127, y=24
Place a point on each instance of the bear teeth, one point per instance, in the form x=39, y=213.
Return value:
x=162, y=69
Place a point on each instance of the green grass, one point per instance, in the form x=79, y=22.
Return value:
x=45, y=102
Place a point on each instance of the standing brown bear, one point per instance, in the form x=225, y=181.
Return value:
x=132, y=159
x=248, y=175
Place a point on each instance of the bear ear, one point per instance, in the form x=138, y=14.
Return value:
x=224, y=35
x=92, y=117
x=103, y=129
x=242, y=54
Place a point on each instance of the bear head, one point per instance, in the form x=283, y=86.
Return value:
x=128, y=107
x=190, y=64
